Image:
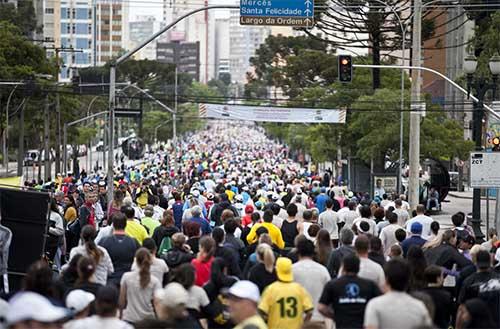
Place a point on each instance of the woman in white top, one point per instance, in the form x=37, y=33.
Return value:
x=100, y=255
x=137, y=289
x=159, y=268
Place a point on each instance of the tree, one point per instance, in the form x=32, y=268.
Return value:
x=23, y=17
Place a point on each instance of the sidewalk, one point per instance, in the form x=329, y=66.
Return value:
x=466, y=195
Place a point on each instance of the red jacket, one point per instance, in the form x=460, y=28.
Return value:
x=202, y=271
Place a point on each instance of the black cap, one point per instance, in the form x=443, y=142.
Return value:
x=483, y=259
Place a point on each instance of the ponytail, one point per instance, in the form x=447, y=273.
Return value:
x=265, y=255
x=143, y=260
x=88, y=236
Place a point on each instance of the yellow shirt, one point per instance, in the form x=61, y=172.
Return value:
x=136, y=231
x=285, y=304
x=254, y=322
x=274, y=233
x=70, y=214
x=230, y=194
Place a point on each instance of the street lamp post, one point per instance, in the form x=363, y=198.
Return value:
x=481, y=87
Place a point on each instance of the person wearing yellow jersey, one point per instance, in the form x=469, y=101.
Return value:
x=273, y=230
x=243, y=297
x=284, y=303
x=134, y=229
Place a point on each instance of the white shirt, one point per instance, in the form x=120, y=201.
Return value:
x=313, y=277
x=388, y=237
x=96, y=321
x=426, y=222
x=403, y=216
x=328, y=220
x=370, y=270
x=103, y=269
x=158, y=268
x=104, y=232
x=373, y=226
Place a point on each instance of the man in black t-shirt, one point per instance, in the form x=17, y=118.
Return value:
x=120, y=247
x=344, y=299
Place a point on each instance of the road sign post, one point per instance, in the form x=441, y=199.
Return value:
x=299, y=13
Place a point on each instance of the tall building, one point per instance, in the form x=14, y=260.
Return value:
x=141, y=29
x=185, y=55
x=222, y=47
x=244, y=41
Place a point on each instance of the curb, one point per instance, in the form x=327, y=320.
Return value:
x=464, y=197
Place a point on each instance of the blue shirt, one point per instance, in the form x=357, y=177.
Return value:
x=321, y=202
x=416, y=240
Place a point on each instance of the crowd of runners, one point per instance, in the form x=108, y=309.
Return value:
x=228, y=232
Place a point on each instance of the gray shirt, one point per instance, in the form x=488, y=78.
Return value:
x=396, y=310
x=139, y=305
x=313, y=277
x=103, y=269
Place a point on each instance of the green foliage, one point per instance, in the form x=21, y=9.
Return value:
x=23, y=17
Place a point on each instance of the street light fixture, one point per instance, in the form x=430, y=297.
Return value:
x=481, y=86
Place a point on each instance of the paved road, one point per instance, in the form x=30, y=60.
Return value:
x=463, y=204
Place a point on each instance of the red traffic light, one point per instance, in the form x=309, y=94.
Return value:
x=345, y=61
x=495, y=141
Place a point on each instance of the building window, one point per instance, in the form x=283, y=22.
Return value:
x=49, y=11
x=64, y=13
x=65, y=42
x=82, y=58
x=82, y=43
x=82, y=13
x=82, y=28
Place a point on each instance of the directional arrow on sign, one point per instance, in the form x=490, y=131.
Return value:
x=307, y=12
x=308, y=3
x=308, y=21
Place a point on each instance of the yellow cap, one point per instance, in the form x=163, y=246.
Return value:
x=284, y=269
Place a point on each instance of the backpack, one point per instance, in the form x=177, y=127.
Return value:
x=165, y=245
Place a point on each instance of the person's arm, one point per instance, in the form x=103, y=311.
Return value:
x=308, y=315
x=280, y=243
x=326, y=311
x=251, y=237
x=371, y=318
x=122, y=302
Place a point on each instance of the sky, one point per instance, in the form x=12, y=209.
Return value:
x=155, y=7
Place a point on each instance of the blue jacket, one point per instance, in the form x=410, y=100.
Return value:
x=416, y=240
x=204, y=224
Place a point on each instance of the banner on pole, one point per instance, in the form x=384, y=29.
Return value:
x=271, y=114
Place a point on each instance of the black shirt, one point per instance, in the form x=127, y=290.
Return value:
x=163, y=231
x=377, y=258
x=261, y=277
x=348, y=296
x=121, y=250
x=443, y=303
x=485, y=285
x=289, y=231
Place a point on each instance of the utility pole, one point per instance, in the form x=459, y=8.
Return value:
x=46, y=140
x=20, y=148
x=414, y=151
x=58, y=134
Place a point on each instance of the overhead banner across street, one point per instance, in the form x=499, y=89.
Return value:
x=271, y=114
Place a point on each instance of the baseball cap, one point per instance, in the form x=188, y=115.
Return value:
x=284, y=269
x=483, y=259
x=77, y=300
x=416, y=228
x=248, y=209
x=32, y=306
x=172, y=295
x=244, y=289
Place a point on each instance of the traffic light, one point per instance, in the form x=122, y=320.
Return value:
x=496, y=144
x=345, y=68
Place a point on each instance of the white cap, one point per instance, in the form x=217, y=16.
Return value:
x=172, y=295
x=32, y=306
x=77, y=300
x=245, y=290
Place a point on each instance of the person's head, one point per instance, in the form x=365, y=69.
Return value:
x=208, y=246
x=420, y=209
x=196, y=211
x=86, y=269
x=230, y=226
x=400, y=235
x=361, y=245
x=39, y=279
x=398, y=203
x=243, y=298
x=119, y=221
x=255, y=217
x=170, y=302
x=284, y=269
x=88, y=235
x=397, y=274
x=149, y=211
x=268, y=216
x=265, y=238
x=365, y=212
x=395, y=252
x=144, y=259
x=79, y=301
x=192, y=229
x=352, y=205
x=416, y=228
x=482, y=259
x=184, y=274
x=275, y=208
x=292, y=210
x=305, y=248
x=128, y=211
x=378, y=183
x=323, y=239
x=218, y=235
x=391, y=217
x=450, y=237
x=492, y=233
x=313, y=230
x=458, y=219
x=433, y=275
x=150, y=245
x=226, y=214
x=178, y=240
x=329, y=203
x=307, y=215
x=346, y=236
x=350, y=264
x=375, y=244
x=435, y=227
x=265, y=255
x=167, y=218
x=379, y=214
